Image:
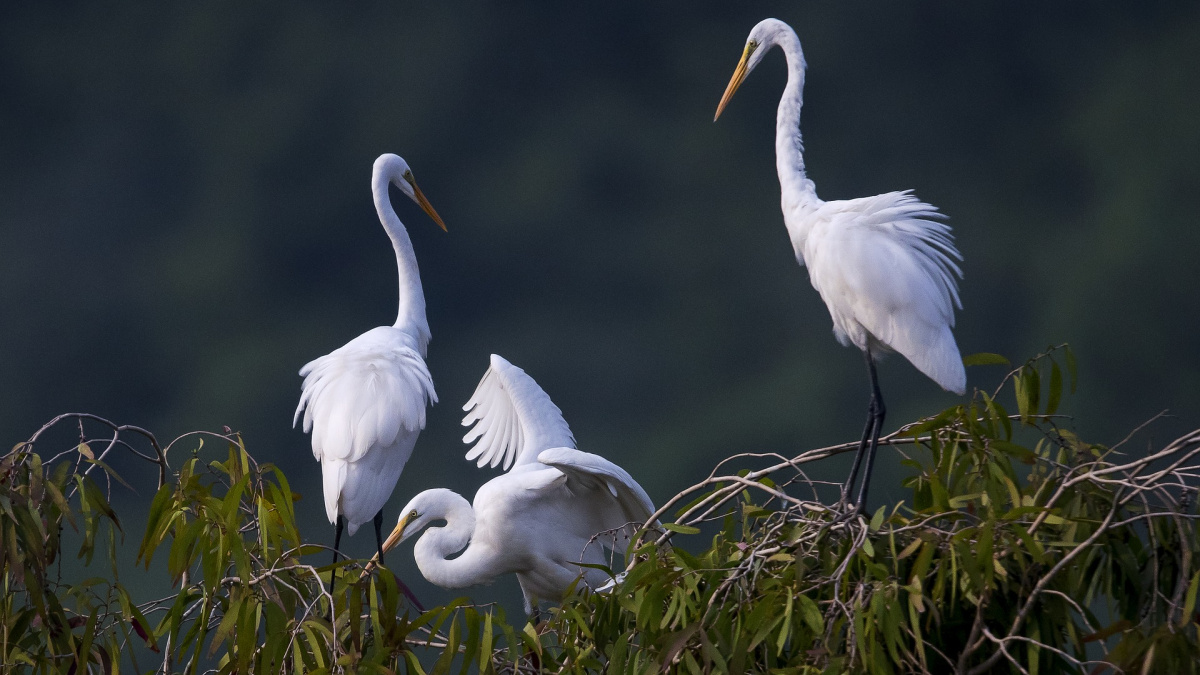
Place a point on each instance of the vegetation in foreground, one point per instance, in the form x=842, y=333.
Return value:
x=1021, y=548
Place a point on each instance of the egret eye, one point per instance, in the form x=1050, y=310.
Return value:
x=408, y=176
x=413, y=515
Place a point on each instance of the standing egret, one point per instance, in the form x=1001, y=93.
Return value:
x=885, y=270
x=365, y=401
x=539, y=520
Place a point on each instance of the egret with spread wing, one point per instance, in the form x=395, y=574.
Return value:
x=365, y=401
x=539, y=520
x=884, y=268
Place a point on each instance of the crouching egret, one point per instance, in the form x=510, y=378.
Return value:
x=885, y=270
x=539, y=520
x=365, y=401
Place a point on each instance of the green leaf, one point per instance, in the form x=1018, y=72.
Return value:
x=447, y=658
x=1054, y=395
x=227, y=622
x=985, y=359
x=182, y=548
x=681, y=529
x=485, y=649
x=941, y=499
x=1189, y=605
x=786, y=630
x=877, y=519
x=868, y=547
x=1022, y=454
x=155, y=527
x=910, y=549
x=89, y=633
x=811, y=614
x=1026, y=388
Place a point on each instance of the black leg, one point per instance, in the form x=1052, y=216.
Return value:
x=866, y=436
x=337, y=541
x=337, y=536
x=858, y=455
x=878, y=411
x=379, y=534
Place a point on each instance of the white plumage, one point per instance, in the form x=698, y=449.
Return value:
x=512, y=414
x=538, y=520
x=885, y=267
x=886, y=273
x=364, y=403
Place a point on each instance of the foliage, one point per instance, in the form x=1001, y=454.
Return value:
x=1021, y=549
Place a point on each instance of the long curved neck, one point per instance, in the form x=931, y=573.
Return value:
x=410, y=317
x=789, y=148
x=438, y=543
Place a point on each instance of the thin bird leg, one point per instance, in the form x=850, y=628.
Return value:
x=858, y=455
x=337, y=535
x=337, y=541
x=379, y=534
x=866, y=435
x=878, y=411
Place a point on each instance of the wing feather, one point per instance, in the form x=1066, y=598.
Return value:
x=363, y=394
x=603, y=481
x=513, y=419
x=887, y=270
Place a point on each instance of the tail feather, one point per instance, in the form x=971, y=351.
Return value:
x=333, y=479
x=942, y=362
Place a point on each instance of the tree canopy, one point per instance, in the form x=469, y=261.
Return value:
x=1019, y=547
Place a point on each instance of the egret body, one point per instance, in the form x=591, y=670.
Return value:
x=541, y=518
x=884, y=267
x=364, y=403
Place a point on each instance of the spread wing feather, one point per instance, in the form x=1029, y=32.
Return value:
x=513, y=418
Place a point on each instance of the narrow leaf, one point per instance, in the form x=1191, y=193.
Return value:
x=985, y=359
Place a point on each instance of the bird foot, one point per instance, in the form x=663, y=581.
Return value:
x=845, y=512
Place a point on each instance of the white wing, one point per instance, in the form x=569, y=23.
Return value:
x=883, y=266
x=514, y=419
x=610, y=491
x=361, y=395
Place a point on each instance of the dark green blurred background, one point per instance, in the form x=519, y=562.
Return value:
x=185, y=215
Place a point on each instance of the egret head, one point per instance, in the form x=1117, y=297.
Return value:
x=395, y=170
x=766, y=34
x=422, y=510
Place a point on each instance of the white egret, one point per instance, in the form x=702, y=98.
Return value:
x=541, y=518
x=365, y=401
x=883, y=267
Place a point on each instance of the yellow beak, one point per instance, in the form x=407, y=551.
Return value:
x=739, y=74
x=426, y=207
x=397, y=534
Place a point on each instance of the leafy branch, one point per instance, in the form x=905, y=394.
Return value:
x=1020, y=547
